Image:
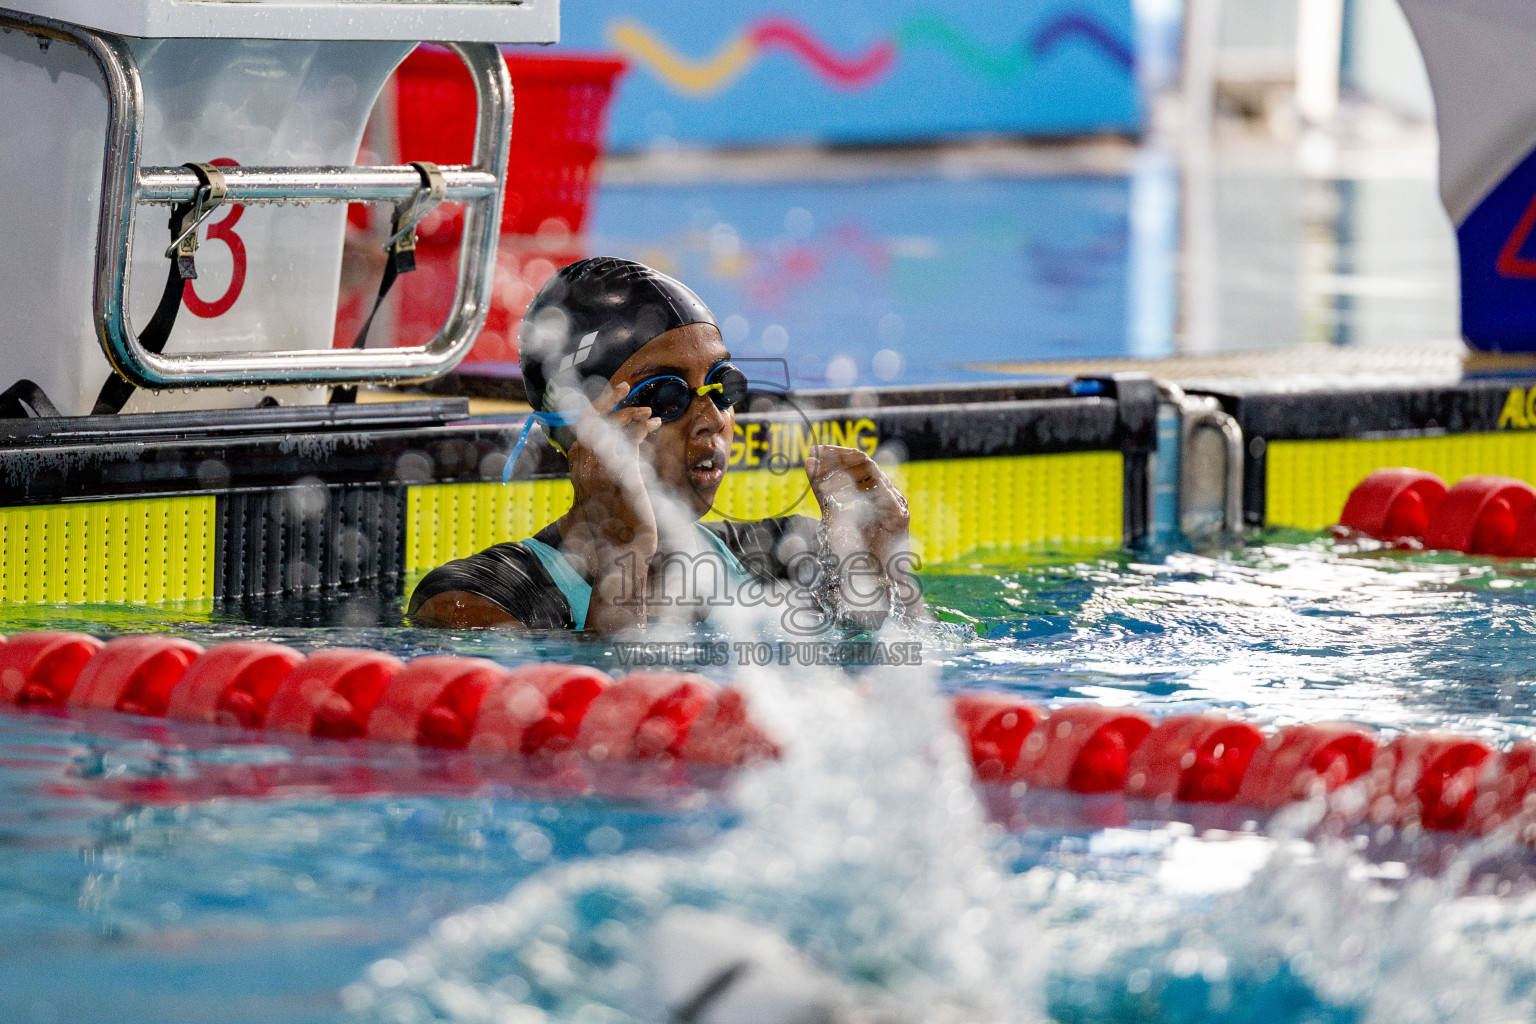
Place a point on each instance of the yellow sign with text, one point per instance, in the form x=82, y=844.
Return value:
x=782, y=445
x=1519, y=409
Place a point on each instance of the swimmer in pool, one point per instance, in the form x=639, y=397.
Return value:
x=627, y=370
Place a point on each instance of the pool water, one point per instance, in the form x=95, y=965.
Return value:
x=939, y=266
x=900, y=281
x=141, y=879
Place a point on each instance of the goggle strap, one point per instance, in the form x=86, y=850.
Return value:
x=549, y=419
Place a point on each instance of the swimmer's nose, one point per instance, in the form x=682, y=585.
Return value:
x=710, y=418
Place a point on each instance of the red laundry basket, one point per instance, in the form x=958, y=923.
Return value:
x=559, y=106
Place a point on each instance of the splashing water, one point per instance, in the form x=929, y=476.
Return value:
x=865, y=848
x=865, y=854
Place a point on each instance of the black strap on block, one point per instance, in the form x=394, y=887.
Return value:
x=26, y=400
x=186, y=218
x=401, y=251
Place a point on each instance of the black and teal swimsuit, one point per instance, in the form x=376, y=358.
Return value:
x=532, y=581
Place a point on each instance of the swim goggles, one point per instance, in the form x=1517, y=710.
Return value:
x=670, y=396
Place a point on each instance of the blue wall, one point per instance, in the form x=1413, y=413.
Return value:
x=736, y=72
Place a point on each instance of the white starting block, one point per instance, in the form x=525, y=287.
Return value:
x=1485, y=106
x=105, y=105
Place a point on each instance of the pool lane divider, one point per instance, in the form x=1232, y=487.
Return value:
x=439, y=701
x=1480, y=515
x=1441, y=781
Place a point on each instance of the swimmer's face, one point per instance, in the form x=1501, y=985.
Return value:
x=689, y=454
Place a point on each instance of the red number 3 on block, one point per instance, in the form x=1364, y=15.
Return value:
x=222, y=230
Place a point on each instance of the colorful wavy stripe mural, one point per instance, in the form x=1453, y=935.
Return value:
x=717, y=72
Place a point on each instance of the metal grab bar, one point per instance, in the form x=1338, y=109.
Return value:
x=166, y=185
x=1205, y=413
x=124, y=187
x=1198, y=413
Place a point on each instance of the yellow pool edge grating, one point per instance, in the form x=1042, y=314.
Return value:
x=135, y=551
x=957, y=506
x=1307, y=482
x=164, y=550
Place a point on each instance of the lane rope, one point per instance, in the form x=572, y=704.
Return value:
x=1441, y=781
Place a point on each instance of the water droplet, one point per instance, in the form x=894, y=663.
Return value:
x=841, y=371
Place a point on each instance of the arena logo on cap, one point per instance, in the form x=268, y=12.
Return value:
x=582, y=351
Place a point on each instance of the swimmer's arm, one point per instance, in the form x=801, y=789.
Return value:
x=459, y=609
x=618, y=591
x=611, y=526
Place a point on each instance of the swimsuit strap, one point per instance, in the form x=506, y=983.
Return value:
x=733, y=564
x=577, y=591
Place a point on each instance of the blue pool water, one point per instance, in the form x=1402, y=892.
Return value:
x=867, y=846
x=912, y=280
x=929, y=268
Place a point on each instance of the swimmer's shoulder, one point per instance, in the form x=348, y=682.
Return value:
x=460, y=609
x=504, y=585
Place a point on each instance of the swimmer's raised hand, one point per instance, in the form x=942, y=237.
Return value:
x=860, y=505
x=611, y=526
x=610, y=497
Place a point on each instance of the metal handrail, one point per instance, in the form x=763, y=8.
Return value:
x=125, y=186
x=166, y=185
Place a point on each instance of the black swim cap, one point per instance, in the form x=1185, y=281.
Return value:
x=593, y=315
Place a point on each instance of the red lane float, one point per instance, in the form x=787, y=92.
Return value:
x=443, y=702
x=1432, y=777
x=1301, y=761
x=40, y=669
x=997, y=727
x=331, y=694
x=134, y=675
x=1083, y=748
x=1479, y=515
x=1192, y=759
x=435, y=701
x=645, y=715
x=1506, y=788
x=1524, y=544
x=232, y=684
x=1393, y=503
x=724, y=734
x=540, y=711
